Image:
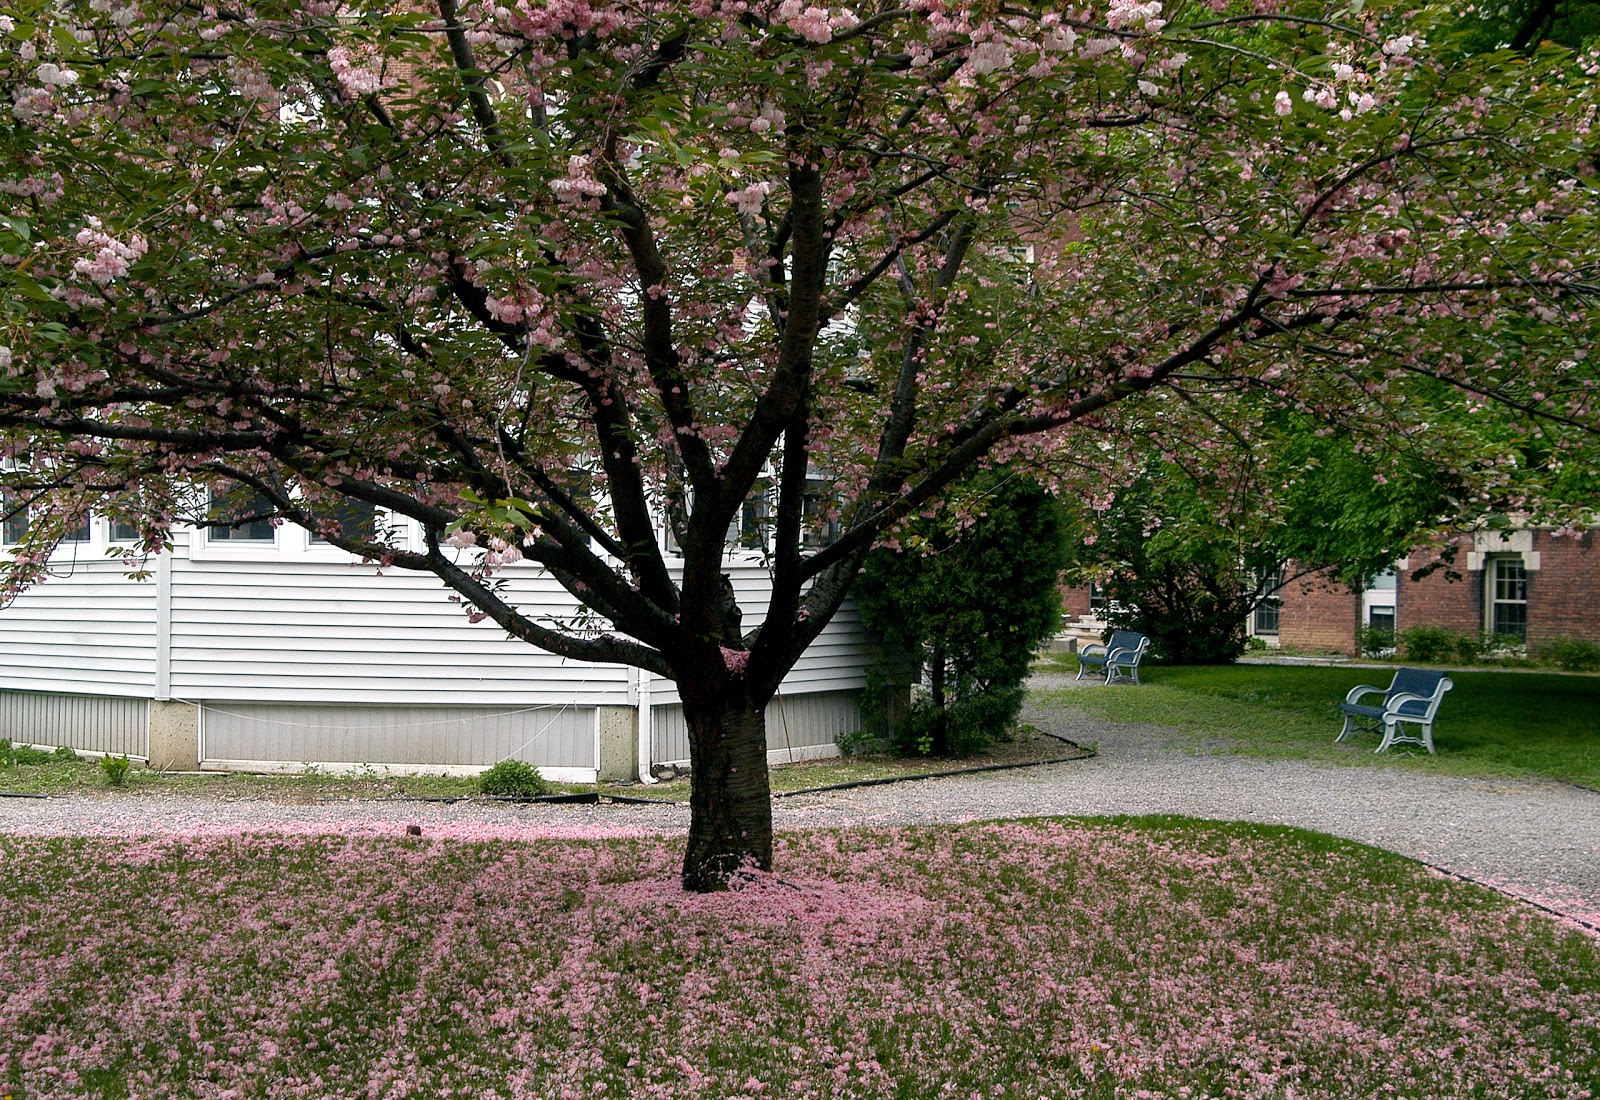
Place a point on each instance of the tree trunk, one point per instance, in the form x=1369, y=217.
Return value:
x=730, y=799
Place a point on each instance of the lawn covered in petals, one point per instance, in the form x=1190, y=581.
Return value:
x=1039, y=959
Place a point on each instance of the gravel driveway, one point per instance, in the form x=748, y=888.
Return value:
x=1538, y=840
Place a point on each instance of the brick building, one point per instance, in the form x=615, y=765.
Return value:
x=1534, y=585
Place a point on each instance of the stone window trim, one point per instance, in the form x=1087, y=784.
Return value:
x=1491, y=545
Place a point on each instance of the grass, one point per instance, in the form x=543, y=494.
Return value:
x=1491, y=723
x=85, y=776
x=1026, y=745
x=1047, y=959
x=55, y=776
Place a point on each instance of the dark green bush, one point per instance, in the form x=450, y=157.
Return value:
x=966, y=607
x=1470, y=648
x=514, y=779
x=1571, y=654
x=1429, y=645
x=961, y=727
x=27, y=754
x=65, y=752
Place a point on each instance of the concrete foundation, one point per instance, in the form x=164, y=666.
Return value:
x=174, y=736
x=619, y=744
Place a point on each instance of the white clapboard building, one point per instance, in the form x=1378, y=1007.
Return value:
x=266, y=650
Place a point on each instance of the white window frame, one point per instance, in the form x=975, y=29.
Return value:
x=1491, y=592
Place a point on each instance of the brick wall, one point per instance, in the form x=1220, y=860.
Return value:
x=1317, y=613
x=1436, y=600
x=1075, y=602
x=1564, y=593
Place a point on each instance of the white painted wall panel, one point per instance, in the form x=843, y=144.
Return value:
x=324, y=632
x=554, y=736
x=794, y=723
x=295, y=628
x=93, y=723
x=89, y=630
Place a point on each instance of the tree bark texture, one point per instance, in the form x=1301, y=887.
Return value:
x=730, y=799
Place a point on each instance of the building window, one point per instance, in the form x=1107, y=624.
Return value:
x=1267, y=616
x=241, y=501
x=124, y=532
x=78, y=532
x=755, y=516
x=819, y=516
x=1268, y=610
x=1507, y=589
x=356, y=519
x=15, y=526
x=1380, y=619
x=1098, y=603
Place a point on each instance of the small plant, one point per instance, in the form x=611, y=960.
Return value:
x=1376, y=641
x=65, y=753
x=513, y=778
x=27, y=754
x=116, y=769
x=860, y=743
x=1571, y=654
x=1472, y=647
x=5, y=752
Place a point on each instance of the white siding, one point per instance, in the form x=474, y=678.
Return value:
x=302, y=657
x=554, y=736
x=796, y=725
x=310, y=632
x=93, y=723
x=87, y=630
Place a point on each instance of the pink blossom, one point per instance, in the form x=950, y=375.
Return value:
x=358, y=76
x=112, y=257
x=1282, y=104
x=748, y=200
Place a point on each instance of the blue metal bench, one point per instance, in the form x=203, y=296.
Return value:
x=1413, y=697
x=1118, y=658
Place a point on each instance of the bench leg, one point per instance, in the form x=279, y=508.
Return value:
x=1393, y=736
x=1349, y=728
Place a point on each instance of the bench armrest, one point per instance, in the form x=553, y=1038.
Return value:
x=1085, y=650
x=1362, y=689
x=1393, y=704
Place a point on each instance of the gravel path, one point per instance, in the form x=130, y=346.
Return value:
x=1535, y=839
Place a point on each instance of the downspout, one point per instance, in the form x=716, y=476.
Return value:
x=163, y=692
x=646, y=724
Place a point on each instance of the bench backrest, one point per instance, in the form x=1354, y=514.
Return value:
x=1130, y=640
x=1415, y=681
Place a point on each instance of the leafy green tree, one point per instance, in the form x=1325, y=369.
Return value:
x=969, y=604
x=548, y=277
x=1194, y=542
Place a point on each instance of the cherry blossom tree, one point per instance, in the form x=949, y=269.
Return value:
x=569, y=280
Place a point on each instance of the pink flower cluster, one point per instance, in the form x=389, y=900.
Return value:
x=357, y=74
x=111, y=258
